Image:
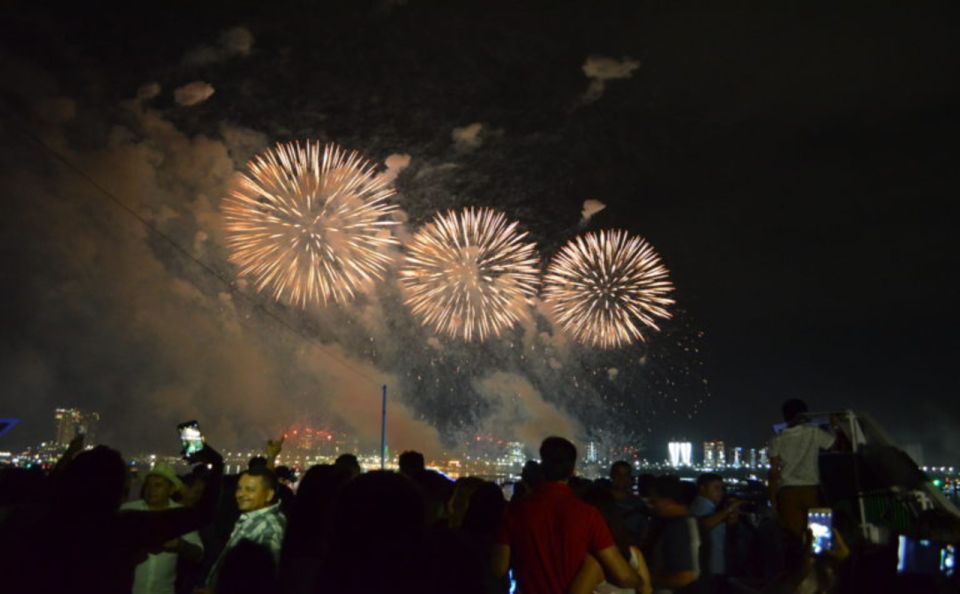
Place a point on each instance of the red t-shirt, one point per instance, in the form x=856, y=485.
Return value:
x=549, y=534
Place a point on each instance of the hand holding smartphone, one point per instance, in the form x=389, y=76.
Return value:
x=191, y=439
x=820, y=525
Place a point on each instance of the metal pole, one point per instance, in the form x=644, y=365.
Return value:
x=383, y=430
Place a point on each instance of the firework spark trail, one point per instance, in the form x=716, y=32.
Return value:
x=309, y=225
x=605, y=287
x=469, y=274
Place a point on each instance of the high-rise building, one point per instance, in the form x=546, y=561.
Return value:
x=721, y=455
x=70, y=421
x=515, y=454
x=592, y=454
x=737, y=457
x=681, y=453
x=764, y=460
x=712, y=454
x=753, y=457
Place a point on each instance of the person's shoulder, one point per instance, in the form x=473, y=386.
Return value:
x=135, y=505
x=701, y=506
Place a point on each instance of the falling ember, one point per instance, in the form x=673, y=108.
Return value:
x=469, y=274
x=605, y=287
x=309, y=224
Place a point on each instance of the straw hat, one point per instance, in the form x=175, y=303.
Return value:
x=160, y=469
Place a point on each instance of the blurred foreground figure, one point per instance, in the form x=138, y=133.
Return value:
x=80, y=542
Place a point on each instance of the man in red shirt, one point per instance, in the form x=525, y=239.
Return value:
x=547, y=535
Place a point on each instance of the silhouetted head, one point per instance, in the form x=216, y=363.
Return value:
x=256, y=489
x=285, y=474
x=349, y=463
x=257, y=462
x=792, y=409
x=621, y=476
x=458, y=503
x=532, y=474
x=558, y=458
x=310, y=519
x=667, y=493
x=411, y=463
x=93, y=483
x=485, y=510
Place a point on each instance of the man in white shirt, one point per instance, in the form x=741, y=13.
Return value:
x=157, y=573
x=794, y=468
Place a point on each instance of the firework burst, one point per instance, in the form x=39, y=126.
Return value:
x=469, y=274
x=309, y=224
x=605, y=287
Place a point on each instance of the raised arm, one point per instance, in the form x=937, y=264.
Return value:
x=273, y=449
x=713, y=520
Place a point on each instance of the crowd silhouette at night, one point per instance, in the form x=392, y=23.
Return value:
x=337, y=529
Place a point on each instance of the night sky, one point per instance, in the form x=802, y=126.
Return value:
x=795, y=168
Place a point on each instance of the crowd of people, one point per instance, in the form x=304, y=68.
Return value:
x=339, y=530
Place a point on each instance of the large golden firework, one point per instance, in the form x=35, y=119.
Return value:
x=605, y=287
x=309, y=224
x=469, y=274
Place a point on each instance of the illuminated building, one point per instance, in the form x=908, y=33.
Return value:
x=515, y=453
x=713, y=454
x=710, y=454
x=753, y=457
x=592, y=456
x=764, y=461
x=680, y=453
x=737, y=457
x=70, y=421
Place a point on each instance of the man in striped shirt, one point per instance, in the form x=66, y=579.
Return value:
x=260, y=521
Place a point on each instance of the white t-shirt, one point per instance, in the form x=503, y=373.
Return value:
x=158, y=574
x=798, y=448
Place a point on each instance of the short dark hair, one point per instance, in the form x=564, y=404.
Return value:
x=623, y=463
x=558, y=458
x=793, y=408
x=411, y=462
x=708, y=477
x=349, y=463
x=267, y=476
x=668, y=486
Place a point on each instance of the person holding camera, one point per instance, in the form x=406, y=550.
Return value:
x=713, y=520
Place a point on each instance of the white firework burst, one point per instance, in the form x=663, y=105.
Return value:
x=605, y=288
x=309, y=223
x=469, y=274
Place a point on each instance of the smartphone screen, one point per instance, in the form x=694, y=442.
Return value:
x=191, y=440
x=948, y=560
x=820, y=523
x=915, y=555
